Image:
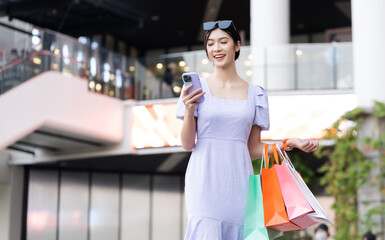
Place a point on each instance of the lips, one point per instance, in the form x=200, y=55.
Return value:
x=219, y=56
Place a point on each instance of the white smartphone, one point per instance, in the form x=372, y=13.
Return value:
x=192, y=78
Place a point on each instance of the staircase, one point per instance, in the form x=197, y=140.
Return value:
x=55, y=112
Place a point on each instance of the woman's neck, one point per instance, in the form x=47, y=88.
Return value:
x=227, y=76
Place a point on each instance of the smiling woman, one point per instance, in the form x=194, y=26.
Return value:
x=227, y=126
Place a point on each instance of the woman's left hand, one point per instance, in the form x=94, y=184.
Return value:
x=306, y=145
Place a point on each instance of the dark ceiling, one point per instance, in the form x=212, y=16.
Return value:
x=123, y=163
x=150, y=24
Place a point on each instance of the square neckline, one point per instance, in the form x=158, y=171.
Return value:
x=231, y=99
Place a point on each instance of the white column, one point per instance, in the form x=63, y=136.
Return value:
x=369, y=79
x=270, y=22
x=269, y=31
x=368, y=20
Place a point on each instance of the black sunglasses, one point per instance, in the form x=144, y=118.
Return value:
x=224, y=24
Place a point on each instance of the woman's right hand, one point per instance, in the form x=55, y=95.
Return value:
x=189, y=128
x=189, y=100
x=306, y=145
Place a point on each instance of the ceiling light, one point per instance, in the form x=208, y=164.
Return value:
x=91, y=85
x=247, y=63
x=36, y=60
x=182, y=63
x=98, y=87
x=177, y=89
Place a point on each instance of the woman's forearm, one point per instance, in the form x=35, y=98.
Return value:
x=257, y=150
x=189, y=131
x=306, y=145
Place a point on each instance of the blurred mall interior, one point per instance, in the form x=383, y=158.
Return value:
x=89, y=143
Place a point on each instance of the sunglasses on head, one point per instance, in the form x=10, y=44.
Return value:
x=224, y=24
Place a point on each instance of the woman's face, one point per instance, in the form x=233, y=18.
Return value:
x=321, y=235
x=221, y=48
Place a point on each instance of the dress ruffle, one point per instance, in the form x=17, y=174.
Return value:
x=261, y=116
x=203, y=228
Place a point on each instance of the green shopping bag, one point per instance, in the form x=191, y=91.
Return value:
x=254, y=226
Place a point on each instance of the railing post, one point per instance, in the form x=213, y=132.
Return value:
x=295, y=68
x=2, y=83
x=2, y=73
x=265, y=67
x=334, y=48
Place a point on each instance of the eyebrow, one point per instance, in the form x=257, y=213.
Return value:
x=210, y=39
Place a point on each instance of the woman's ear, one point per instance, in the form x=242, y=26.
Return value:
x=237, y=46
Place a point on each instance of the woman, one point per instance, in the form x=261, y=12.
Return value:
x=228, y=128
x=321, y=232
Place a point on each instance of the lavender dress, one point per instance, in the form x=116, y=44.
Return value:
x=220, y=165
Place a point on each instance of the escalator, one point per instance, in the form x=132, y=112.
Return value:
x=46, y=103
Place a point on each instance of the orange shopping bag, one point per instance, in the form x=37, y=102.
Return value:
x=297, y=207
x=273, y=205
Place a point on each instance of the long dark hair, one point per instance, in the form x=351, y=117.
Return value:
x=231, y=30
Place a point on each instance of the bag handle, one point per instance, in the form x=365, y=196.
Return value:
x=285, y=158
x=285, y=144
x=265, y=155
x=275, y=154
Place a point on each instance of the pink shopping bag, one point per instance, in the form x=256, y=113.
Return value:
x=319, y=215
x=297, y=207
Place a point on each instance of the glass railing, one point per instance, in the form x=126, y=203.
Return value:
x=11, y=59
x=106, y=72
x=279, y=68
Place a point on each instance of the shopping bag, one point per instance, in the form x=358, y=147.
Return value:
x=254, y=226
x=319, y=214
x=274, y=208
x=296, y=204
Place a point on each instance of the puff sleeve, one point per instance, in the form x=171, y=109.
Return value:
x=261, y=115
x=180, y=108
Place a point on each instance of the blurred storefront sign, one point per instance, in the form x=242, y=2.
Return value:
x=303, y=116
